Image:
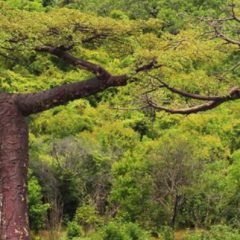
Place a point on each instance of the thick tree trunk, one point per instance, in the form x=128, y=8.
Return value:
x=13, y=171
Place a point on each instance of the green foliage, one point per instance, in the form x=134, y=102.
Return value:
x=93, y=162
x=37, y=209
x=167, y=233
x=114, y=232
x=131, y=188
x=120, y=231
x=87, y=217
x=35, y=5
x=135, y=232
x=218, y=232
x=73, y=230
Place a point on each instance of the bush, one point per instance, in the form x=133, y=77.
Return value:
x=114, y=232
x=120, y=231
x=135, y=232
x=73, y=230
x=87, y=216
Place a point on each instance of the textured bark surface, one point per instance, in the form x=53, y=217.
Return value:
x=13, y=171
x=37, y=102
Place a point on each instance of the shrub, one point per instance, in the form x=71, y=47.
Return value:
x=134, y=232
x=73, y=230
x=114, y=232
x=121, y=231
x=87, y=216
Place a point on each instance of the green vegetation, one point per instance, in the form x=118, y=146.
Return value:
x=105, y=167
x=217, y=232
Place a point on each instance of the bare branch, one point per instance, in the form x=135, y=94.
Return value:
x=99, y=71
x=232, y=17
x=37, y=102
x=40, y=101
x=216, y=24
x=195, y=109
x=234, y=94
x=43, y=100
x=225, y=38
x=190, y=95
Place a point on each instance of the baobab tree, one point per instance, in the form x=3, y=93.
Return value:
x=16, y=107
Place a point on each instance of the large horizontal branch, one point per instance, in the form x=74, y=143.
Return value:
x=60, y=52
x=43, y=100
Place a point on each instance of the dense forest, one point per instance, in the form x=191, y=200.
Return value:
x=122, y=164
